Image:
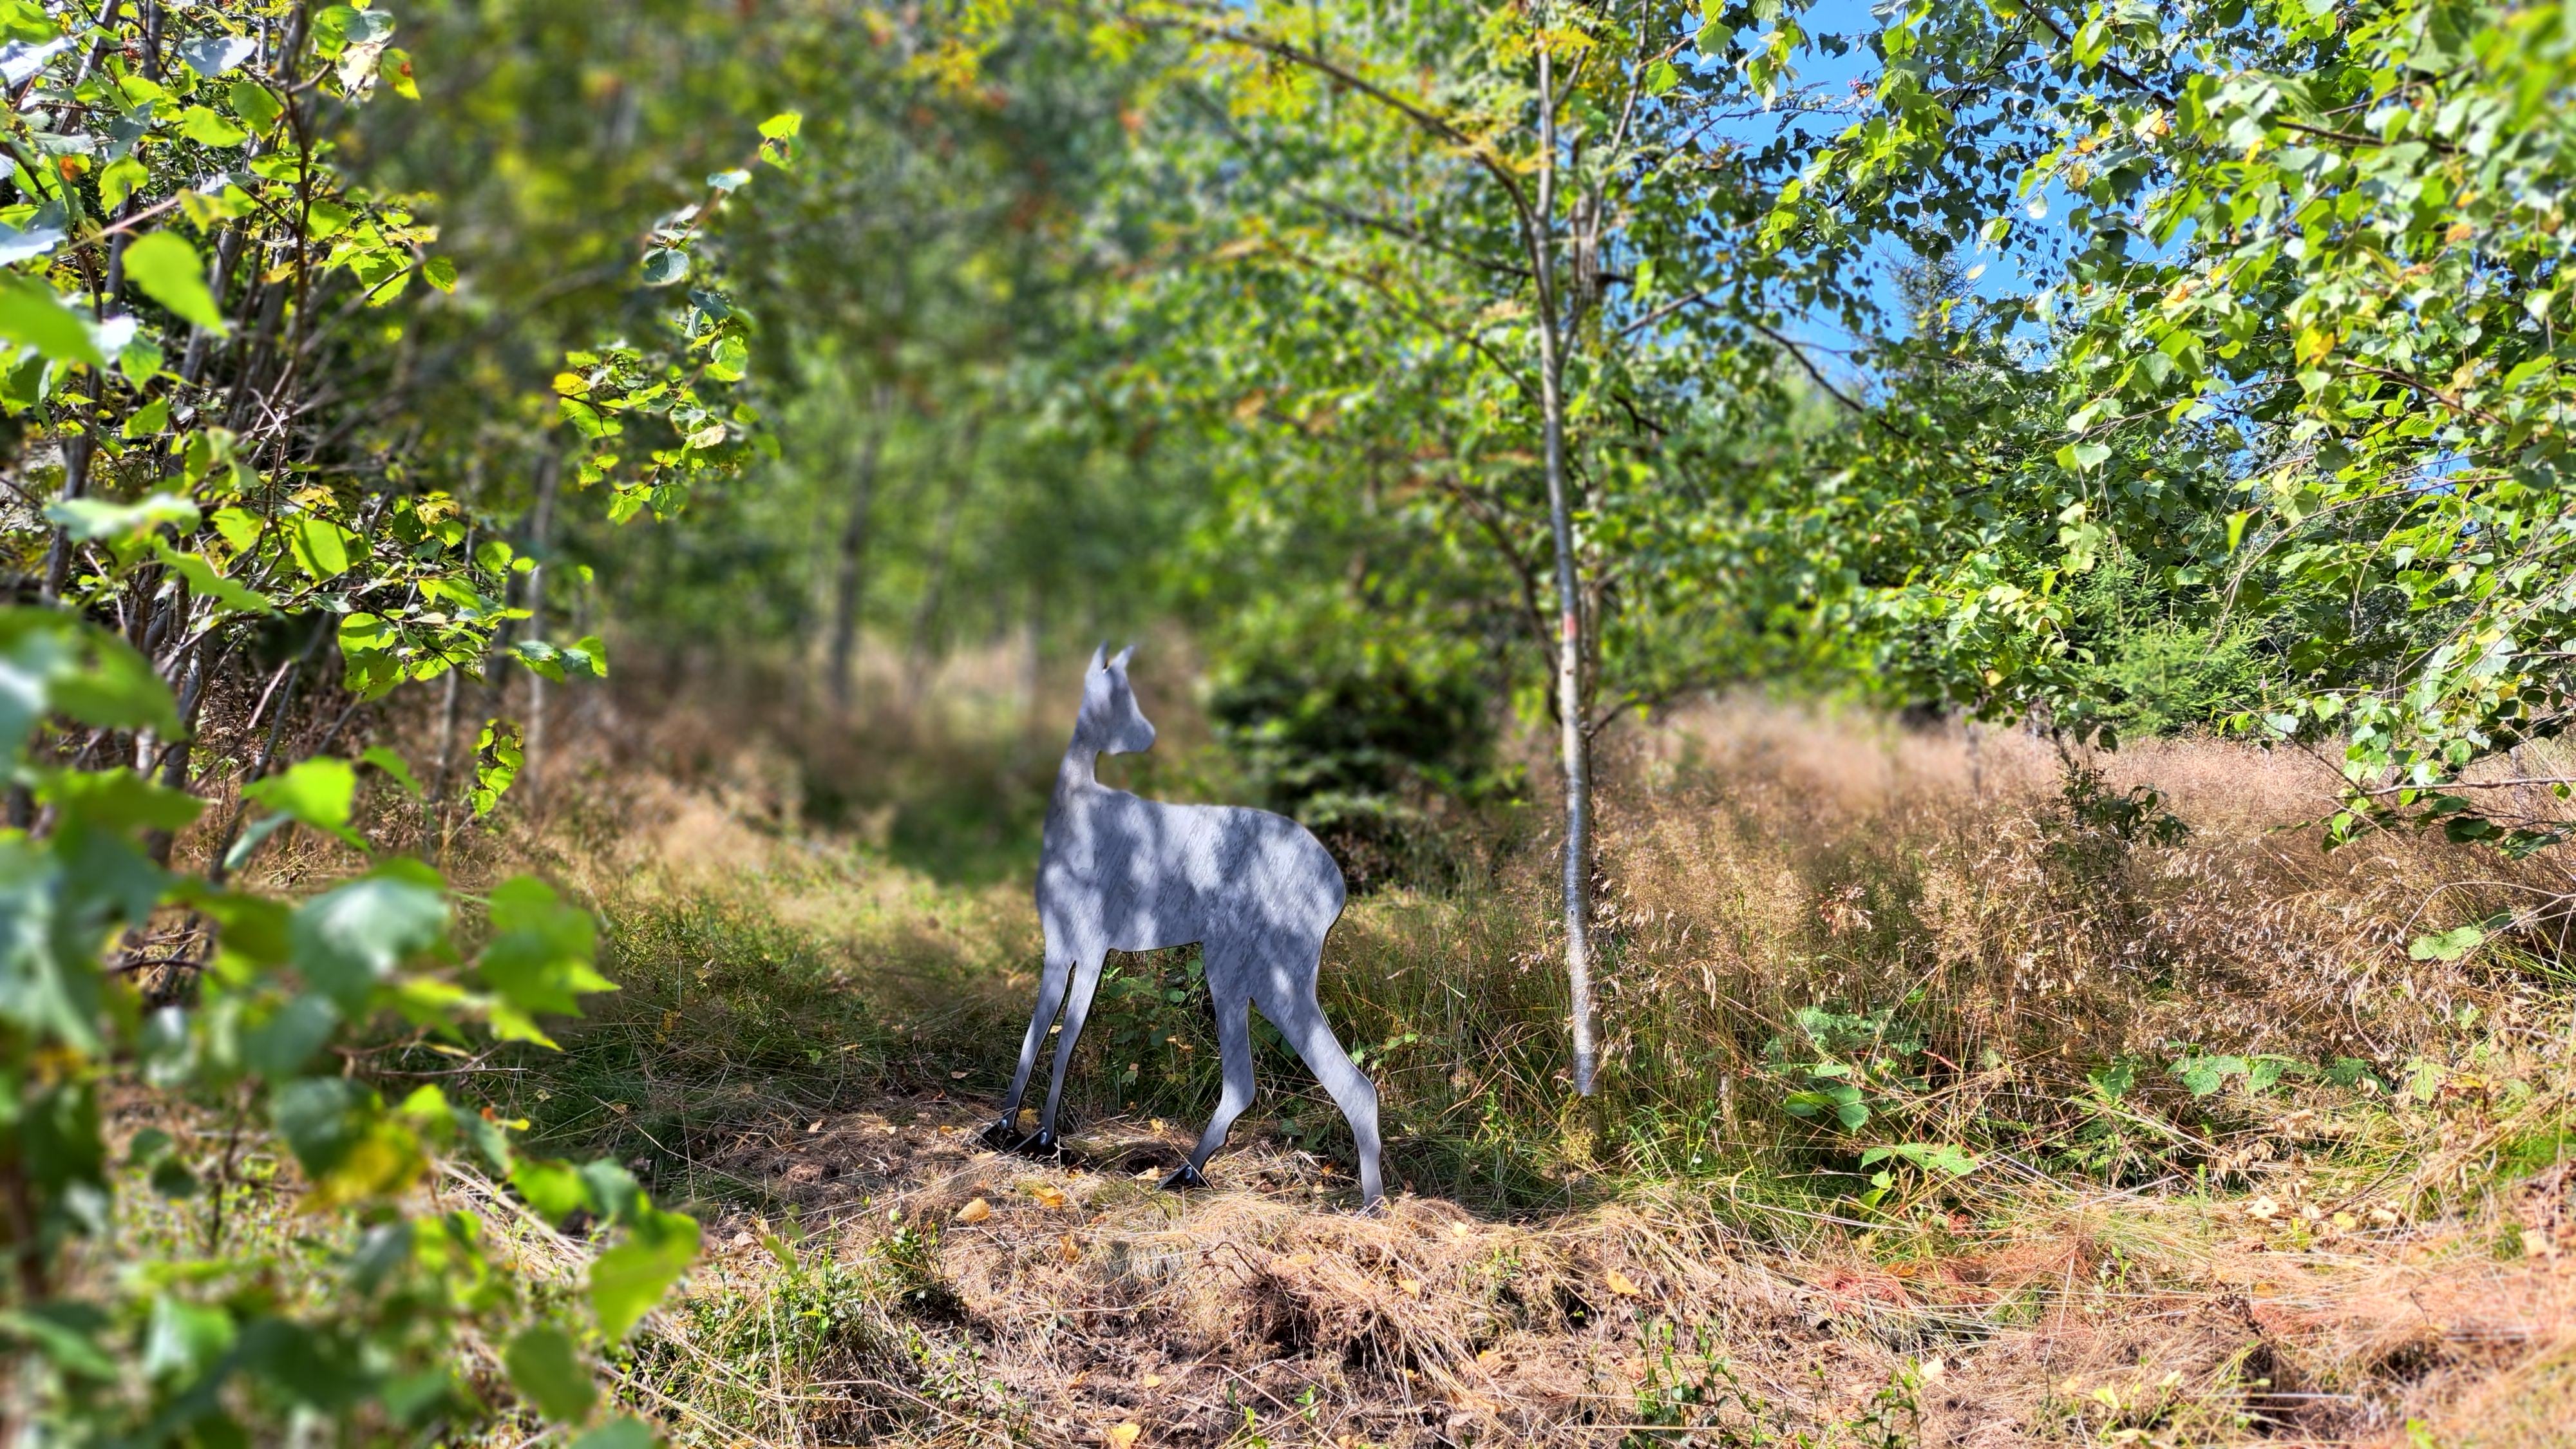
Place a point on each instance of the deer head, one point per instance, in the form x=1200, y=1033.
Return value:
x=1110, y=722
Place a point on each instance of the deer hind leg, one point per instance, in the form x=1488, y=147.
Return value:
x=1300, y=1018
x=1234, y=1054
x=1052, y=978
x=1077, y=1006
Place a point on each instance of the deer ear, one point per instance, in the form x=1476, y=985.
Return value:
x=1123, y=656
x=1098, y=657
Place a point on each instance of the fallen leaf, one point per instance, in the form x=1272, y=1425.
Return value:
x=957, y=1076
x=1461, y=1230
x=975, y=1212
x=1301, y=1260
x=1933, y=1368
x=2263, y=1209
x=1124, y=1435
x=1622, y=1284
x=1412, y=1286
x=1149, y=1174
x=1047, y=1194
x=1078, y=1379
x=817, y=1127
x=1151, y=1381
x=1068, y=1250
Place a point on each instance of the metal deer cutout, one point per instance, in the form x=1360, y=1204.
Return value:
x=1119, y=873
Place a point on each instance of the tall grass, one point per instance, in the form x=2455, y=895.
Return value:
x=1916, y=1040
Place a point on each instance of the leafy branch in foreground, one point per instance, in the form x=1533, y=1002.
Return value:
x=203, y=496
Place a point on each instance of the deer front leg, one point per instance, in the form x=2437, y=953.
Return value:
x=1086, y=980
x=1004, y=1132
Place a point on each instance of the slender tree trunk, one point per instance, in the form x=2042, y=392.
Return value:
x=1574, y=741
x=850, y=572
x=916, y=670
x=58, y=554
x=540, y=535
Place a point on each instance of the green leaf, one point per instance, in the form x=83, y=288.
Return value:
x=255, y=103
x=1942, y=1157
x=206, y=583
x=664, y=266
x=122, y=178
x=31, y=315
x=497, y=757
x=321, y=547
x=204, y=127
x=624, y=1432
x=151, y=418
x=554, y=1189
x=539, y=958
x=2448, y=945
x=347, y=940
x=279, y=1047
x=89, y=519
x=2204, y=1075
x=440, y=272
x=729, y=360
x=395, y=67
x=544, y=1366
x=112, y=686
x=166, y=268
x=316, y=792
x=782, y=126
x=139, y=361
x=119, y=800
x=66, y=1334
x=629, y=1279
x=320, y=1119
x=392, y=764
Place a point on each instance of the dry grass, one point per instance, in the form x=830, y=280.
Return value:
x=2130, y=1263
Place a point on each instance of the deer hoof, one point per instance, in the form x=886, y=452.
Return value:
x=1041, y=1143
x=1188, y=1177
x=1002, y=1134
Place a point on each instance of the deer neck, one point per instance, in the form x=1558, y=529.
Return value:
x=1078, y=772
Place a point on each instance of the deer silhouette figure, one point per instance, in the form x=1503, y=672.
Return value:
x=1119, y=873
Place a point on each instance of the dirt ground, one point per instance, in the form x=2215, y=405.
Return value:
x=1103, y=1310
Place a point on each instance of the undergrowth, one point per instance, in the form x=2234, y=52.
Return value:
x=1895, y=1016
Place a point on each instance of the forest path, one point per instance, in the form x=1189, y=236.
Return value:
x=1069, y=1301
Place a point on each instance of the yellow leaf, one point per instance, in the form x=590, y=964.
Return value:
x=1047, y=1194
x=1621, y=1284
x=1069, y=1250
x=1124, y=1435
x=975, y=1212
x=1412, y=1286
x=1461, y=1230
x=1151, y=1381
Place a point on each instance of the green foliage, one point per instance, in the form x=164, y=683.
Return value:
x=2302, y=364
x=200, y=1346
x=1368, y=740
x=187, y=279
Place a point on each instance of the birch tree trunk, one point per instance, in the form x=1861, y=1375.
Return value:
x=1573, y=741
